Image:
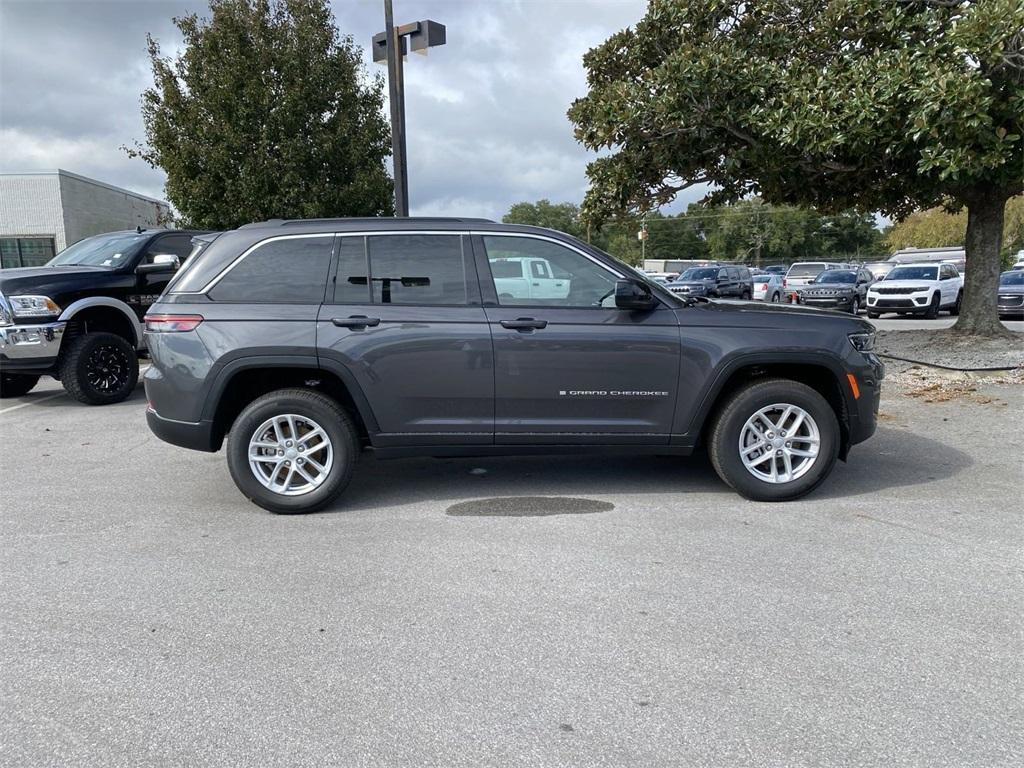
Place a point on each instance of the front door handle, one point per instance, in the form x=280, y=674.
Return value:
x=524, y=324
x=356, y=322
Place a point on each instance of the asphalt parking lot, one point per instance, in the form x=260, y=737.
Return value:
x=150, y=615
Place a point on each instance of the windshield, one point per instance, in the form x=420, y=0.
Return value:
x=835, y=276
x=805, y=270
x=913, y=273
x=1012, y=278
x=101, y=251
x=699, y=274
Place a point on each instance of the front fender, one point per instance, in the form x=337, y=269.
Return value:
x=106, y=301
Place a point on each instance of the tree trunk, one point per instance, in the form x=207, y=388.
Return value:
x=978, y=314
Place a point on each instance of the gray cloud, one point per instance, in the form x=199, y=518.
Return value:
x=486, y=113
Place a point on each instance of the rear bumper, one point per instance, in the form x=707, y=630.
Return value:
x=30, y=348
x=199, y=436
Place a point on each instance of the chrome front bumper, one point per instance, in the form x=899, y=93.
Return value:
x=31, y=342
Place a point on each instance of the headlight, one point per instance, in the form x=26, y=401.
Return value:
x=34, y=306
x=863, y=342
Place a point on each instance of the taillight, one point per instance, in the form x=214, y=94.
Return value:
x=172, y=323
x=785, y=283
x=764, y=286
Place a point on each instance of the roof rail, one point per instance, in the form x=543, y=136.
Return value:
x=365, y=220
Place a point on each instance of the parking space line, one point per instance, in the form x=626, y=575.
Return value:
x=33, y=402
x=142, y=370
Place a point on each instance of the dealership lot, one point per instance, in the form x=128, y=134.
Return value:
x=151, y=615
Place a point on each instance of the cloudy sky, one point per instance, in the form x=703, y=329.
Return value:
x=486, y=112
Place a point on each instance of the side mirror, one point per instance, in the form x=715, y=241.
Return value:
x=162, y=262
x=630, y=294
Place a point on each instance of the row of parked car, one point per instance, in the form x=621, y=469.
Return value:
x=919, y=288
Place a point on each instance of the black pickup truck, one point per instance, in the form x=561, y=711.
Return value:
x=79, y=317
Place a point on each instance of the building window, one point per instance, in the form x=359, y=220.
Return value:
x=25, y=251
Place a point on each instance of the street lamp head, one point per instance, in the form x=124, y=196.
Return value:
x=419, y=35
x=428, y=34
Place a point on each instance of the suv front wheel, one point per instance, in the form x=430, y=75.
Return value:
x=292, y=450
x=775, y=440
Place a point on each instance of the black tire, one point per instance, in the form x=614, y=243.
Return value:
x=16, y=384
x=873, y=315
x=776, y=298
x=933, y=308
x=745, y=296
x=728, y=425
x=99, y=368
x=324, y=411
x=855, y=306
x=955, y=309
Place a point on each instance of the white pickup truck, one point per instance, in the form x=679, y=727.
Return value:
x=922, y=289
x=521, y=277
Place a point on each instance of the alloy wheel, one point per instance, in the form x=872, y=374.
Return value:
x=290, y=454
x=779, y=443
x=107, y=368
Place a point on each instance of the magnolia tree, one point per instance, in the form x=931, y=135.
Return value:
x=877, y=105
x=266, y=112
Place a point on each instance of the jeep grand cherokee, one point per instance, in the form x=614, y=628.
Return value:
x=306, y=342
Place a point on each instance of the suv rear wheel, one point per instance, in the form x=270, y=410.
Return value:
x=292, y=450
x=16, y=384
x=99, y=368
x=774, y=440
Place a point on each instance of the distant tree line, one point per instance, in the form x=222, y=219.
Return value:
x=937, y=227
x=749, y=231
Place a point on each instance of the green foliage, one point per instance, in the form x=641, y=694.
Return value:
x=750, y=230
x=872, y=105
x=565, y=217
x=937, y=227
x=267, y=112
x=867, y=104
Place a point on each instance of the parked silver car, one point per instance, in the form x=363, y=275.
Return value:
x=768, y=287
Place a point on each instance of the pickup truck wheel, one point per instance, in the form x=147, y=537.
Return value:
x=16, y=384
x=99, y=368
x=933, y=308
x=746, y=296
x=774, y=440
x=855, y=306
x=292, y=451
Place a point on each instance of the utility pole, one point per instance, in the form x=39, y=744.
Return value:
x=391, y=45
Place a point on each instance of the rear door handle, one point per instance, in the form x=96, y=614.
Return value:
x=524, y=324
x=356, y=322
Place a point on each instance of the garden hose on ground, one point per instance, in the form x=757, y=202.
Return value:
x=950, y=367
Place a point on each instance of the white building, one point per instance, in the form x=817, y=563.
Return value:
x=950, y=253
x=42, y=213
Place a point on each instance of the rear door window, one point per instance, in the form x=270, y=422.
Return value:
x=418, y=269
x=351, y=284
x=288, y=270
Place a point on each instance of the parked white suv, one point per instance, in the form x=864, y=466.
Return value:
x=922, y=289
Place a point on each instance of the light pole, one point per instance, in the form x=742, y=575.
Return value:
x=391, y=45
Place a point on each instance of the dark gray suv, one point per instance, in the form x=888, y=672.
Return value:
x=306, y=342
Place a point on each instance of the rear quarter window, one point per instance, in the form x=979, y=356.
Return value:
x=291, y=270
